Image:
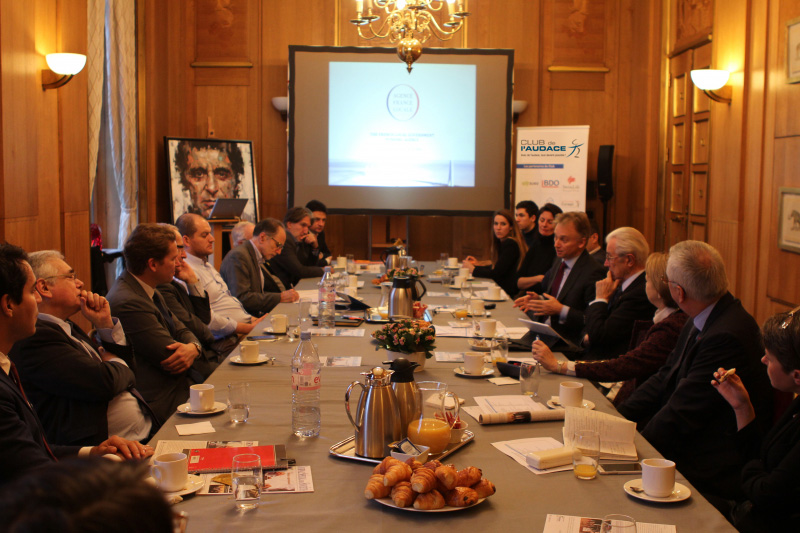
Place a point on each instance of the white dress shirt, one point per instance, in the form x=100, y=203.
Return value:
x=226, y=310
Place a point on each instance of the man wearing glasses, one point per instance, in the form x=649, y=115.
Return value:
x=297, y=261
x=82, y=388
x=677, y=410
x=248, y=271
x=620, y=297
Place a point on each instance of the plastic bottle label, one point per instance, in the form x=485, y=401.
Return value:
x=306, y=379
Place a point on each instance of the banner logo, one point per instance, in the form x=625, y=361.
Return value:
x=402, y=102
x=575, y=147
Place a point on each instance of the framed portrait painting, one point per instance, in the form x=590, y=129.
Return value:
x=203, y=170
x=789, y=222
x=793, y=51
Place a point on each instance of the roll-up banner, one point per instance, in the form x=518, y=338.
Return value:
x=551, y=166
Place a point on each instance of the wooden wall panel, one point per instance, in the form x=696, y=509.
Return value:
x=783, y=284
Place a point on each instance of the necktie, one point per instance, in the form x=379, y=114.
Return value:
x=615, y=297
x=14, y=375
x=556, y=285
x=276, y=279
x=162, y=308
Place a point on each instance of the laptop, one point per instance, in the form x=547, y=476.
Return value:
x=227, y=208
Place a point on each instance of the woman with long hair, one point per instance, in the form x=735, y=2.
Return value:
x=508, y=249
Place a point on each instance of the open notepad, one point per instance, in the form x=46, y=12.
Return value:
x=616, y=433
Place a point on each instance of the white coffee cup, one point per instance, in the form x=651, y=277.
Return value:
x=463, y=272
x=352, y=281
x=658, y=477
x=487, y=327
x=201, y=397
x=477, y=307
x=494, y=293
x=570, y=393
x=341, y=261
x=170, y=471
x=452, y=261
x=473, y=363
x=248, y=351
x=278, y=323
x=459, y=280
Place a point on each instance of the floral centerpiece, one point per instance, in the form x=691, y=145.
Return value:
x=407, y=337
x=409, y=272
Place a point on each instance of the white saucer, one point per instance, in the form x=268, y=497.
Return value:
x=186, y=409
x=459, y=371
x=237, y=360
x=194, y=484
x=587, y=404
x=680, y=493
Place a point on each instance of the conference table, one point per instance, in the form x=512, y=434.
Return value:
x=523, y=499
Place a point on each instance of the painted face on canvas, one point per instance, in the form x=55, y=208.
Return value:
x=209, y=176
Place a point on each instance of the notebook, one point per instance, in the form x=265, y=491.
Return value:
x=215, y=460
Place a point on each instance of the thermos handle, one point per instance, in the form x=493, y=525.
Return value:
x=347, y=401
x=424, y=289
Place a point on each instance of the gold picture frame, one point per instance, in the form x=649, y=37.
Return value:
x=789, y=219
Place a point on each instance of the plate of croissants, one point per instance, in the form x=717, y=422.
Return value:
x=432, y=487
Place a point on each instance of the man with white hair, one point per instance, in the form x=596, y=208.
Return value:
x=241, y=232
x=677, y=410
x=620, y=297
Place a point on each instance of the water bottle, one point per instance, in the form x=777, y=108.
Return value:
x=327, y=300
x=306, y=383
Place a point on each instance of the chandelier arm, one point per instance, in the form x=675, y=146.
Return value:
x=443, y=34
x=380, y=34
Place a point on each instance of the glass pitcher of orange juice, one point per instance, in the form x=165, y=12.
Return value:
x=438, y=415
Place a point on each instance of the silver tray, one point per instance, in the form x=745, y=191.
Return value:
x=346, y=449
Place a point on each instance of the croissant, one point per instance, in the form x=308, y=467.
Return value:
x=433, y=465
x=484, y=488
x=461, y=497
x=423, y=480
x=446, y=474
x=403, y=495
x=468, y=476
x=396, y=473
x=429, y=500
x=384, y=465
x=376, y=488
x=413, y=463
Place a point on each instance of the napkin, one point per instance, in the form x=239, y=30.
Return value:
x=195, y=429
x=504, y=381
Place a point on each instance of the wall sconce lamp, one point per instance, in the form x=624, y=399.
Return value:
x=281, y=104
x=712, y=83
x=518, y=107
x=65, y=65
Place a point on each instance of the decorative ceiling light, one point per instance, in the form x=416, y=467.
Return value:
x=409, y=23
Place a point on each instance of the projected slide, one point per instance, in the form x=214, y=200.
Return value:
x=391, y=129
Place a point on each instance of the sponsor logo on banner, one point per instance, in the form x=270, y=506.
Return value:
x=402, y=102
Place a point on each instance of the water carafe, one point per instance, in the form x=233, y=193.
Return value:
x=377, y=417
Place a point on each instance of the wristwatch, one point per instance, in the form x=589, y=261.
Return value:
x=560, y=365
x=199, y=348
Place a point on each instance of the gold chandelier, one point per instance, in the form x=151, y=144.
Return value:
x=409, y=23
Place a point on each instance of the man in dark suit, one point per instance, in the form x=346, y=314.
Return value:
x=296, y=261
x=593, y=244
x=248, y=270
x=82, y=388
x=23, y=445
x=569, y=285
x=620, y=298
x=165, y=348
x=677, y=410
x=525, y=213
x=316, y=233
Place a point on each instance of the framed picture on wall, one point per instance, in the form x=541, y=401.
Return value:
x=793, y=51
x=203, y=170
x=789, y=223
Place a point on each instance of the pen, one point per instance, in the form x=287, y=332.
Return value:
x=726, y=375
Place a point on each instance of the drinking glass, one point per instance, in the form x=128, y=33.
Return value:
x=447, y=278
x=304, y=310
x=466, y=289
x=351, y=264
x=442, y=262
x=477, y=316
x=500, y=349
x=529, y=377
x=239, y=402
x=246, y=479
x=462, y=309
x=586, y=453
x=618, y=523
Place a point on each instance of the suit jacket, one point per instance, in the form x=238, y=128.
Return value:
x=576, y=293
x=681, y=414
x=21, y=435
x=195, y=313
x=504, y=271
x=69, y=388
x=242, y=273
x=324, y=251
x=599, y=255
x=150, y=334
x=609, y=325
x=309, y=256
x=288, y=265
x=770, y=477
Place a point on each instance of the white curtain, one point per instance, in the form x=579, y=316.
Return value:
x=114, y=127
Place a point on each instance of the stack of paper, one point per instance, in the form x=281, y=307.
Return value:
x=616, y=433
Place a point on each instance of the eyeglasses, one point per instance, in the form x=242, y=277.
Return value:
x=789, y=318
x=278, y=245
x=71, y=276
x=668, y=281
